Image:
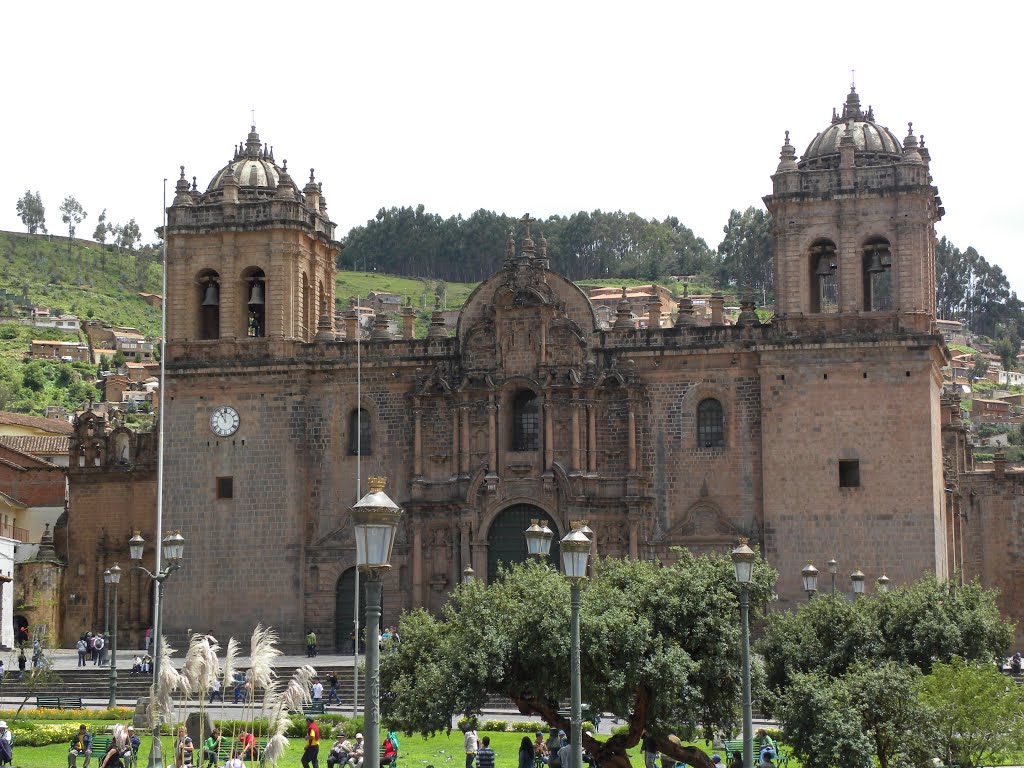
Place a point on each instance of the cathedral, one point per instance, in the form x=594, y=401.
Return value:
x=817, y=435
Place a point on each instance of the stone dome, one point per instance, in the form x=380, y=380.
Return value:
x=874, y=144
x=253, y=166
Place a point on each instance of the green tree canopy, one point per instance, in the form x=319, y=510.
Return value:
x=31, y=211
x=72, y=214
x=746, y=251
x=660, y=650
x=977, y=713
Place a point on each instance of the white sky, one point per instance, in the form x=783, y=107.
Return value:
x=670, y=108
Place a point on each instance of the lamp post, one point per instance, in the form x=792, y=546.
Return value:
x=810, y=576
x=575, y=548
x=883, y=583
x=114, y=574
x=467, y=574
x=833, y=568
x=538, y=540
x=743, y=558
x=857, y=579
x=106, y=604
x=375, y=519
x=171, y=548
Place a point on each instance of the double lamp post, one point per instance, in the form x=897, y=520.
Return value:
x=112, y=577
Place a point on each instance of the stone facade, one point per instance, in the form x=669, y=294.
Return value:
x=818, y=435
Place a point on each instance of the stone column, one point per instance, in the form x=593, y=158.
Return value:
x=464, y=411
x=634, y=537
x=455, y=439
x=575, y=457
x=631, y=436
x=591, y=438
x=417, y=443
x=417, y=563
x=549, y=435
x=492, y=436
x=464, y=543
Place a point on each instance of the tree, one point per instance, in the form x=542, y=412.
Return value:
x=33, y=214
x=746, y=251
x=72, y=214
x=870, y=710
x=661, y=651
x=100, y=233
x=118, y=360
x=980, y=368
x=917, y=624
x=977, y=712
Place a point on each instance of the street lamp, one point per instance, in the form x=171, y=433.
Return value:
x=810, y=576
x=375, y=519
x=114, y=575
x=172, y=548
x=857, y=579
x=538, y=540
x=106, y=604
x=833, y=568
x=743, y=558
x=467, y=574
x=575, y=547
x=883, y=583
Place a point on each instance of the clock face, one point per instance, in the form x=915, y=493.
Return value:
x=224, y=421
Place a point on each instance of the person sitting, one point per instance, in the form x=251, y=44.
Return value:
x=355, y=755
x=6, y=744
x=147, y=664
x=767, y=755
x=390, y=756
x=1015, y=663
x=248, y=743
x=81, y=744
x=338, y=754
x=211, y=747
x=122, y=746
x=763, y=741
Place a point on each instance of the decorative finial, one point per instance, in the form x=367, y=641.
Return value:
x=377, y=484
x=311, y=179
x=853, y=80
x=195, y=187
x=284, y=166
x=787, y=138
x=183, y=171
x=910, y=129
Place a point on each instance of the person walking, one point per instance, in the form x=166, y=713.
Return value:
x=215, y=691
x=317, y=692
x=312, y=751
x=22, y=663
x=311, y=644
x=82, y=647
x=98, y=645
x=471, y=745
x=332, y=692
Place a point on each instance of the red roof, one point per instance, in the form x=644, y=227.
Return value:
x=57, y=426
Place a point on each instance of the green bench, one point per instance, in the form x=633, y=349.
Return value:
x=59, y=702
x=736, y=745
x=230, y=747
x=100, y=746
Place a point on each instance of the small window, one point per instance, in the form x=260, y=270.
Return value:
x=359, y=433
x=225, y=487
x=525, y=422
x=710, y=424
x=849, y=473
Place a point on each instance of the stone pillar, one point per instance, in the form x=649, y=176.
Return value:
x=492, y=436
x=464, y=543
x=464, y=411
x=631, y=436
x=654, y=313
x=634, y=537
x=417, y=443
x=455, y=439
x=549, y=435
x=717, y=308
x=575, y=457
x=417, y=563
x=591, y=438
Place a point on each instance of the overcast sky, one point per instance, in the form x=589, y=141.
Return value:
x=671, y=108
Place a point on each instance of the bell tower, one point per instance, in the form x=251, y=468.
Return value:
x=252, y=257
x=853, y=221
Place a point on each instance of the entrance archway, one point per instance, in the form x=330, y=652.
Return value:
x=506, y=542
x=344, y=611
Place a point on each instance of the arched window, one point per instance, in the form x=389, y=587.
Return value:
x=525, y=422
x=209, y=304
x=877, y=274
x=255, y=295
x=359, y=433
x=824, y=277
x=710, y=424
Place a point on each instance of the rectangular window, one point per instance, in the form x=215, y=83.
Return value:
x=849, y=473
x=225, y=487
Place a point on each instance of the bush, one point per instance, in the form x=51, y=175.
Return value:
x=586, y=725
x=466, y=723
x=37, y=734
x=73, y=715
x=529, y=726
x=618, y=730
x=495, y=725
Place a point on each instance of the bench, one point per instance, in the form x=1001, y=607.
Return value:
x=230, y=747
x=314, y=708
x=736, y=745
x=100, y=746
x=587, y=712
x=59, y=702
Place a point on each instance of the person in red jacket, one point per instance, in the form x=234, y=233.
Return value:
x=309, y=755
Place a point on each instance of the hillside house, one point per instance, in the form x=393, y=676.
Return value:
x=72, y=351
x=984, y=411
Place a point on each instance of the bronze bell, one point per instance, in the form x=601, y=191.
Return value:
x=876, y=264
x=824, y=267
x=210, y=299
x=256, y=297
